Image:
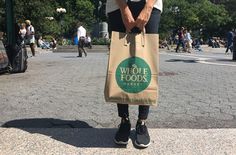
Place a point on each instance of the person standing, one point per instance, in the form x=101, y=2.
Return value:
x=230, y=38
x=81, y=34
x=133, y=16
x=30, y=36
x=23, y=30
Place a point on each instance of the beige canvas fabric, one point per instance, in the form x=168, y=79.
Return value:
x=133, y=69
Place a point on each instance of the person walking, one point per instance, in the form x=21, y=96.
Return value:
x=133, y=16
x=30, y=36
x=230, y=38
x=180, y=39
x=81, y=34
x=188, y=40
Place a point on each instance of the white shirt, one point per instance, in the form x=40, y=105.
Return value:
x=30, y=34
x=81, y=32
x=30, y=30
x=112, y=6
x=188, y=37
x=88, y=39
x=23, y=32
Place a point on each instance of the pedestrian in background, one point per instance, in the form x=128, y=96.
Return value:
x=133, y=16
x=88, y=42
x=230, y=38
x=30, y=36
x=180, y=39
x=53, y=43
x=81, y=34
x=23, y=30
x=188, y=40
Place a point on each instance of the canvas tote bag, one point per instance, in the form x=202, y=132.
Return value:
x=132, y=69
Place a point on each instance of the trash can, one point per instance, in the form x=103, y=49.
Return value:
x=103, y=30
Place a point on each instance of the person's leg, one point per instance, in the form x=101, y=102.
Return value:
x=178, y=44
x=227, y=49
x=143, y=112
x=123, y=110
x=142, y=138
x=122, y=135
x=231, y=47
x=32, y=49
x=79, y=49
x=82, y=46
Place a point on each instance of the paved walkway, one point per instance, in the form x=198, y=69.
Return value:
x=98, y=141
x=61, y=96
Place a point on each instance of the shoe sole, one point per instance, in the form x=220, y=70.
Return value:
x=121, y=143
x=141, y=145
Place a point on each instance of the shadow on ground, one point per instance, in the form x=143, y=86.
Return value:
x=71, y=57
x=182, y=60
x=226, y=60
x=76, y=133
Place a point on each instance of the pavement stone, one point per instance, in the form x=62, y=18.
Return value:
x=60, y=90
x=99, y=141
x=62, y=86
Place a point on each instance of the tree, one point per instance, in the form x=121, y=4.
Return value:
x=193, y=14
x=85, y=9
x=230, y=6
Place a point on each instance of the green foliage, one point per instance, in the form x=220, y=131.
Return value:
x=63, y=24
x=85, y=11
x=48, y=38
x=193, y=14
x=100, y=41
x=230, y=6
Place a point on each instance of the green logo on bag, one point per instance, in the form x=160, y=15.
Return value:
x=133, y=75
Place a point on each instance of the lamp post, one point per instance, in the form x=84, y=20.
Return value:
x=61, y=11
x=234, y=49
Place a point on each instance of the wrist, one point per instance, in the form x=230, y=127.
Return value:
x=149, y=6
x=124, y=9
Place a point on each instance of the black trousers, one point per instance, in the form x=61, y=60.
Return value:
x=81, y=47
x=116, y=24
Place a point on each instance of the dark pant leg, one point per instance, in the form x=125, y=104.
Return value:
x=79, y=51
x=143, y=112
x=116, y=24
x=81, y=47
x=151, y=27
x=32, y=49
x=177, y=48
x=123, y=110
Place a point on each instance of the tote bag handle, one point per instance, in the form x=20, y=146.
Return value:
x=127, y=37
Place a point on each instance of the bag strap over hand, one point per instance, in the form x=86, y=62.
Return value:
x=127, y=37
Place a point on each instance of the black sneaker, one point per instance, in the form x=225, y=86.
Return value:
x=122, y=135
x=142, y=138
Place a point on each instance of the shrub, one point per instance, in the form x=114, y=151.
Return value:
x=100, y=41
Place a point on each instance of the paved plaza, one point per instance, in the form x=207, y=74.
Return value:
x=59, y=90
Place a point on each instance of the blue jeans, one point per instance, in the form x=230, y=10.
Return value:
x=116, y=24
x=229, y=46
